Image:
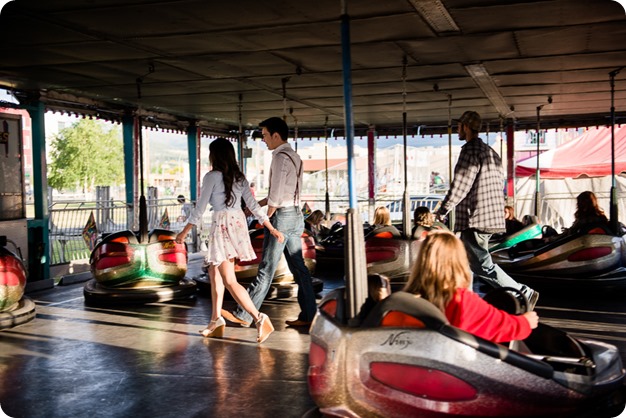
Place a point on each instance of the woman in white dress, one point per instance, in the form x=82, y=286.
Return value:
x=223, y=187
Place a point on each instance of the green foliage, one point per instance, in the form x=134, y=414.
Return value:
x=84, y=155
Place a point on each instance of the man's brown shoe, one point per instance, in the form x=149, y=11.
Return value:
x=230, y=317
x=298, y=323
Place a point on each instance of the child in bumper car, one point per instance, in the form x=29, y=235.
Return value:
x=442, y=276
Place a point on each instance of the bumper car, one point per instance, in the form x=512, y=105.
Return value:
x=386, y=252
x=283, y=284
x=590, y=258
x=15, y=309
x=405, y=360
x=120, y=261
x=246, y=270
x=499, y=242
x=127, y=270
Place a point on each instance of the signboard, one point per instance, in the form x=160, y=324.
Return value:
x=11, y=168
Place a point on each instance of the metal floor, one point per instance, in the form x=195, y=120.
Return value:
x=74, y=360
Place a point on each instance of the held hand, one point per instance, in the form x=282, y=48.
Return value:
x=532, y=318
x=278, y=235
x=180, y=238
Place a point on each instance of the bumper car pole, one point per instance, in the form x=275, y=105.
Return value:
x=613, y=213
x=355, y=270
x=355, y=267
x=406, y=201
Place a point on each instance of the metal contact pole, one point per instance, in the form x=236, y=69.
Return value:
x=327, y=215
x=356, y=271
x=538, y=173
x=613, y=211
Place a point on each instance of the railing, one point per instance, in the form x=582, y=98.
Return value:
x=68, y=220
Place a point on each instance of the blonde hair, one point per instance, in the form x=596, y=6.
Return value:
x=382, y=216
x=441, y=267
x=315, y=217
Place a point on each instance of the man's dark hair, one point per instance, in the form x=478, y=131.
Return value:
x=276, y=125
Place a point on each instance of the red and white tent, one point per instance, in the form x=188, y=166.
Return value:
x=578, y=165
x=588, y=155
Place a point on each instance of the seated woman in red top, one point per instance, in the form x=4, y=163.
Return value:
x=442, y=276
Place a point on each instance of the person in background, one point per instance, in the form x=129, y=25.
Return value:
x=512, y=224
x=423, y=221
x=476, y=196
x=378, y=288
x=283, y=202
x=185, y=211
x=528, y=220
x=441, y=276
x=382, y=217
x=588, y=212
x=313, y=223
x=223, y=187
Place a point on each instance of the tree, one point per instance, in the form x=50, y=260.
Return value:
x=86, y=154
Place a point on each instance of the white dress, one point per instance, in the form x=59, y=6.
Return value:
x=228, y=235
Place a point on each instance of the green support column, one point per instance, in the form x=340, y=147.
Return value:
x=128, y=130
x=193, y=146
x=38, y=227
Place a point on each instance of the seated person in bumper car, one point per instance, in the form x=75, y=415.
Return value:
x=442, y=276
x=313, y=223
x=378, y=288
x=587, y=213
x=513, y=224
x=382, y=218
x=424, y=222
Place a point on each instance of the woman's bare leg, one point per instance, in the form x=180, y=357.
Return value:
x=217, y=291
x=239, y=293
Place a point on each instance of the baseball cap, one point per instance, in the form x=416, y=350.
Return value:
x=471, y=119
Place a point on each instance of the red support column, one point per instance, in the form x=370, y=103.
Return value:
x=510, y=161
x=371, y=164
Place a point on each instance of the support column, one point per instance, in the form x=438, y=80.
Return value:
x=193, y=151
x=371, y=170
x=510, y=161
x=355, y=267
x=130, y=170
x=39, y=227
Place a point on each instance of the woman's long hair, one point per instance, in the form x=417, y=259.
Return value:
x=441, y=267
x=587, y=206
x=222, y=158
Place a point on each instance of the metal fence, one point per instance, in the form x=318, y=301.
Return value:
x=68, y=220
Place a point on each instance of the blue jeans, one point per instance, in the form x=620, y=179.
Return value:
x=290, y=222
x=477, y=248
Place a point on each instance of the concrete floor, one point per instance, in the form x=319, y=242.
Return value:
x=74, y=360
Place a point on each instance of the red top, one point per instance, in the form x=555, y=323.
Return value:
x=472, y=314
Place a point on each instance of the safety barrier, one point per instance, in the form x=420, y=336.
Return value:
x=69, y=221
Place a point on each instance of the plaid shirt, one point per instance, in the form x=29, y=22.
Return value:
x=476, y=193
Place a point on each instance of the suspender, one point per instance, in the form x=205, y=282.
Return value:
x=299, y=171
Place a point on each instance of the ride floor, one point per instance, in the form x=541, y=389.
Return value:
x=75, y=360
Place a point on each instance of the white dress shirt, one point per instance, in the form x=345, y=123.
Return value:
x=285, y=177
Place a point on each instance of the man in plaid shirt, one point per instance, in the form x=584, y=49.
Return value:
x=476, y=194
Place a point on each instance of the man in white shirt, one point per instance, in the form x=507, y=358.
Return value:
x=283, y=208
